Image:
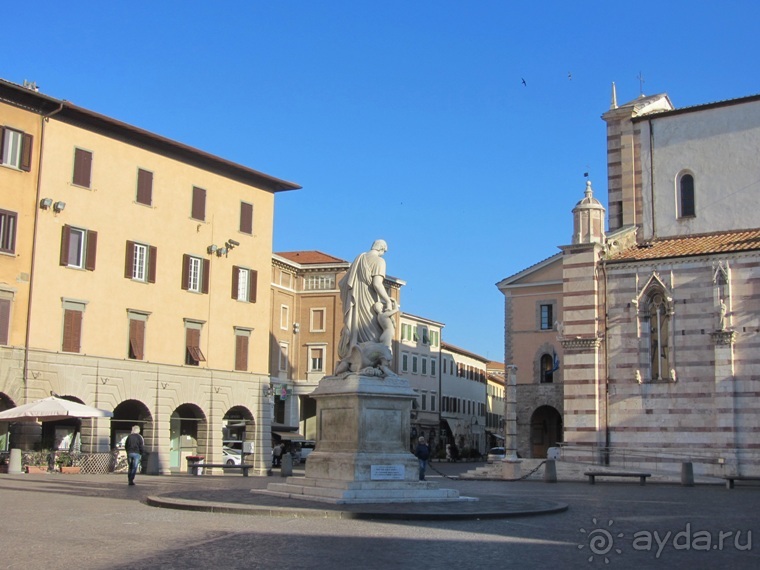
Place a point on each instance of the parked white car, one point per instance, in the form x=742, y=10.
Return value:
x=231, y=456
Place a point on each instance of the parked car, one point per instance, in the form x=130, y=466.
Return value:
x=496, y=454
x=231, y=456
x=306, y=448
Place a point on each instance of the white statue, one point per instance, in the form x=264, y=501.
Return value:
x=722, y=316
x=367, y=314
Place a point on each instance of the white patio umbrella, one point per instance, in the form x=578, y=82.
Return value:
x=50, y=409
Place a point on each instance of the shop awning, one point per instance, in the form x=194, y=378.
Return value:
x=289, y=435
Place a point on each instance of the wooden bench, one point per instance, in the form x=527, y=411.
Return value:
x=593, y=474
x=731, y=478
x=196, y=467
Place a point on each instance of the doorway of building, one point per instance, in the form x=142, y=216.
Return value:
x=545, y=430
x=188, y=433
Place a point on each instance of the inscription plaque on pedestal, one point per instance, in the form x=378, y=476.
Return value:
x=386, y=472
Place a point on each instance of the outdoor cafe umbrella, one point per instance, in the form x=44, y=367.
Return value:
x=51, y=409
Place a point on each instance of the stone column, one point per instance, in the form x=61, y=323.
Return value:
x=511, y=464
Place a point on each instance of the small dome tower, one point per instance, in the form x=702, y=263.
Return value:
x=588, y=219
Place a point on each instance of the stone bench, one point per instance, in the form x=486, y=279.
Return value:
x=196, y=467
x=592, y=475
x=731, y=478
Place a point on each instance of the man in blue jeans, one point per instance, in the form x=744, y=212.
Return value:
x=423, y=453
x=134, y=446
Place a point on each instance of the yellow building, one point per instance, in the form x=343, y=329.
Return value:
x=144, y=285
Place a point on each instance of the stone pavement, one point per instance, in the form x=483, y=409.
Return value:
x=98, y=522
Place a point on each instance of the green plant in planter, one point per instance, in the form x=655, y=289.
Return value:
x=64, y=460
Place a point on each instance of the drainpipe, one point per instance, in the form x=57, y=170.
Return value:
x=44, y=119
x=651, y=175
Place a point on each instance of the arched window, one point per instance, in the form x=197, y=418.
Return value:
x=686, y=206
x=659, y=329
x=547, y=369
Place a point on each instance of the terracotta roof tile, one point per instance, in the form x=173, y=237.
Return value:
x=724, y=242
x=309, y=257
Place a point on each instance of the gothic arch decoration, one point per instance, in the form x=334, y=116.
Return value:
x=545, y=368
x=656, y=311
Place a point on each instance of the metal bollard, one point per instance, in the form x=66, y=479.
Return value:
x=286, y=467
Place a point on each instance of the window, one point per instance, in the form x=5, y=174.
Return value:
x=7, y=231
x=424, y=334
x=547, y=369
x=72, y=326
x=432, y=402
x=316, y=359
x=424, y=401
x=193, y=354
x=433, y=364
x=195, y=274
x=659, y=328
x=317, y=320
x=404, y=362
x=547, y=319
x=16, y=149
x=136, y=350
x=82, y=168
x=78, y=248
x=246, y=218
x=434, y=338
x=284, y=317
x=320, y=282
x=424, y=365
x=198, y=208
x=144, y=187
x=687, y=207
x=140, y=262
x=283, y=364
x=242, y=337
x=244, y=284
x=414, y=364
x=5, y=320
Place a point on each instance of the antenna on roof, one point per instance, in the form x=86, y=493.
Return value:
x=640, y=77
x=32, y=85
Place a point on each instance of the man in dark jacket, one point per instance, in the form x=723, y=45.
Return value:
x=134, y=446
x=422, y=453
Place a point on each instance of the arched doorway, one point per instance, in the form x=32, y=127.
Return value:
x=188, y=431
x=238, y=431
x=545, y=430
x=127, y=414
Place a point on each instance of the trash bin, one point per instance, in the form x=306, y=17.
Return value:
x=195, y=459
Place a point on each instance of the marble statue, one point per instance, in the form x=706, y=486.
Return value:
x=368, y=327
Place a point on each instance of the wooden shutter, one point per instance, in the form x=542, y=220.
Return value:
x=235, y=281
x=137, y=338
x=144, y=187
x=193, y=340
x=152, y=259
x=241, y=352
x=5, y=320
x=252, y=279
x=92, y=247
x=72, y=330
x=65, y=239
x=206, y=273
x=246, y=218
x=199, y=204
x=82, y=167
x=185, y=272
x=129, y=260
x=2, y=142
x=26, y=153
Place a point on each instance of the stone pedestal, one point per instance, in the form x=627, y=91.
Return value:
x=361, y=453
x=511, y=468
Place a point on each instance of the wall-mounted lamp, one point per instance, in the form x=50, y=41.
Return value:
x=212, y=248
x=45, y=203
x=59, y=206
x=221, y=251
x=231, y=243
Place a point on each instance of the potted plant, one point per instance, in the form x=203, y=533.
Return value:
x=36, y=461
x=65, y=463
x=3, y=463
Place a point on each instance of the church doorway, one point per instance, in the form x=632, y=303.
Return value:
x=545, y=430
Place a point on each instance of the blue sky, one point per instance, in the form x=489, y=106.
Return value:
x=407, y=121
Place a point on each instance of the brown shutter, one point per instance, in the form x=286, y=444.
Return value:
x=72, y=330
x=137, y=338
x=5, y=320
x=26, y=153
x=206, y=271
x=199, y=204
x=82, y=167
x=241, y=352
x=185, y=272
x=92, y=247
x=144, y=187
x=129, y=260
x=152, y=259
x=65, y=239
x=235, y=278
x=2, y=142
x=246, y=218
x=252, y=279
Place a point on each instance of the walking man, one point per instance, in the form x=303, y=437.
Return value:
x=135, y=446
x=422, y=453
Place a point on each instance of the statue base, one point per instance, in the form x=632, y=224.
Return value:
x=362, y=448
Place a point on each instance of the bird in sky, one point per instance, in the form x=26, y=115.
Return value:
x=569, y=76
x=523, y=82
